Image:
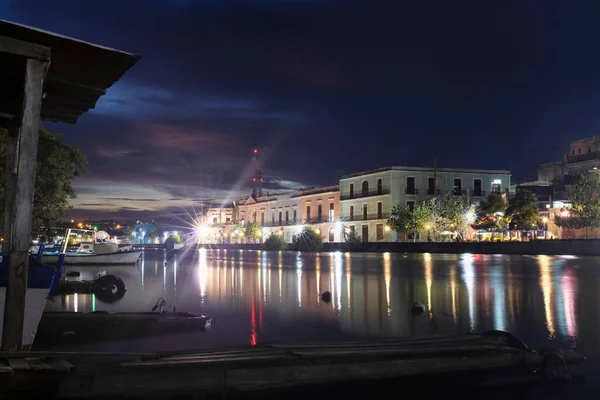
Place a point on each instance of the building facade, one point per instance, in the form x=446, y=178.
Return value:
x=367, y=198
x=288, y=214
x=583, y=155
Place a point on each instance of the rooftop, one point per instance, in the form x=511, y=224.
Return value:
x=79, y=73
x=425, y=169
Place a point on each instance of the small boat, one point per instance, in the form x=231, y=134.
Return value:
x=99, y=252
x=100, y=326
x=42, y=280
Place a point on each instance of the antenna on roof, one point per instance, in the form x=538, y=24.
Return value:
x=257, y=180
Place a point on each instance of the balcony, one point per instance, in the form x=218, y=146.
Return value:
x=363, y=217
x=363, y=195
x=478, y=193
x=411, y=190
x=433, y=192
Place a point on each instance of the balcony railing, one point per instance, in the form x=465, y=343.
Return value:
x=361, y=217
x=361, y=195
x=478, y=193
x=411, y=190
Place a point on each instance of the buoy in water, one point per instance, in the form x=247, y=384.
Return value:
x=418, y=308
x=326, y=297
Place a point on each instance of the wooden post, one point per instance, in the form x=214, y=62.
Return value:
x=19, y=203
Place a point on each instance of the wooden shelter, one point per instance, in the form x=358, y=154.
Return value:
x=44, y=76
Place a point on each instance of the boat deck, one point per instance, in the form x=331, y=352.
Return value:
x=271, y=366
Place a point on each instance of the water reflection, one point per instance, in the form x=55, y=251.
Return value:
x=265, y=293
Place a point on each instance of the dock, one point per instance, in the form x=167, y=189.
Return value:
x=268, y=366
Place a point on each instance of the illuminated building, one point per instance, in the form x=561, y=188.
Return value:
x=367, y=197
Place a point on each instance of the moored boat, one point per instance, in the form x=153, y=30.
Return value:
x=42, y=280
x=99, y=252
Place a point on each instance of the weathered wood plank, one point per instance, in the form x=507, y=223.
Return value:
x=18, y=364
x=20, y=218
x=34, y=51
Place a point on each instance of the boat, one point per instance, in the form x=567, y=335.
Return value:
x=102, y=326
x=42, y=281
x=99, y=252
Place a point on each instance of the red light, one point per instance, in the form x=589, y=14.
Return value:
x=253, y=179
x=255, y=151
x=261, y=179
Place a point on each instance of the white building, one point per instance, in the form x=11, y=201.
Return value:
x=288, y=214
x=367, y=197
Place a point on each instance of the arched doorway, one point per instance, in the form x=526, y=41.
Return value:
x=331, y=235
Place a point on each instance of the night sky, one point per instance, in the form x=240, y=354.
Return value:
x=324, y=88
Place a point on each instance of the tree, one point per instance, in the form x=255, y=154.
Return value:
x=585, y=195
x=452, y=213
x=490, y=213
x=57, y=165
x=253, y=231
x=307, y=240
x=411, y=221
x=523, y=211
x=352, y=240
x=274, y=243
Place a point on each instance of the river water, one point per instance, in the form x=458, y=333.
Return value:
x=255, y=297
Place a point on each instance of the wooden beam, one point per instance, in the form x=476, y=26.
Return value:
x=26, y=49
x=18, y=217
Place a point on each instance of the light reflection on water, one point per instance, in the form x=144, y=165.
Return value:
x=266, y=293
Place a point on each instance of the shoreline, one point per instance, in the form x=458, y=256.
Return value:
x=575, y=247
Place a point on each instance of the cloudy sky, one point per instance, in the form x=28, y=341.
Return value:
x=323, y=88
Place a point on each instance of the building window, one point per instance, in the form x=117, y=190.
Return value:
x=589, y=149
x=579, y=150
x=273, y=217
x=351, y=190
x=295, y=215
x=496, y=188
x=214, y=220
x=365, y=233
x=307, y=213
x=254, y=216
x=228, y=219
x=331, y=235
x=457, y=187
x=331, y=212
x=410, y=185
x=477, y=188
x=262, y=218
x=280, y=219
x=431, y=186
x=379, y=210
x=379, y=231
x=351, y=213
x=379, y=186
x=411, y=205
x=319, y=212
x=365, y=212
x=365, y=188
x=287, y=217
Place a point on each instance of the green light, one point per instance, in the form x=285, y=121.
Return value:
x=95, y=228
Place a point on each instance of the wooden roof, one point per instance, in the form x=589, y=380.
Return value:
x=79, y=72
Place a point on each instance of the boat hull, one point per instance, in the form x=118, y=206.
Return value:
x=41, y=280
x=118, y=258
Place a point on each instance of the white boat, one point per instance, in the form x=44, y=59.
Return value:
x=42, y=279
x=99, y=252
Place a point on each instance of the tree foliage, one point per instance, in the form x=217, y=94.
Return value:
x=57, y=165
x=307, y=240
x=253, y=231
x=274, y=243
x=411, y=221
x=585, y=195
x=523, y=211
x=353, y=242
x=490, y=213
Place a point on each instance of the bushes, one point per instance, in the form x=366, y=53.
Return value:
x=307, y=240
x=274, y=243
x=353, y=241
